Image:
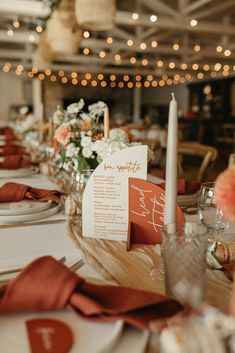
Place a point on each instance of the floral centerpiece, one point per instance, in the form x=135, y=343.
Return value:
x=79, y=134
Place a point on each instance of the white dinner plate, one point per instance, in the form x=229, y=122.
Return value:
x=89, y=337
x=18, y=173
x=23, y=207
x=54, y=208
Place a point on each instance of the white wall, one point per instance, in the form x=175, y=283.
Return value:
x=14, y=90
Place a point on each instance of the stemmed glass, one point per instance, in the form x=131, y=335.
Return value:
x=209, y=214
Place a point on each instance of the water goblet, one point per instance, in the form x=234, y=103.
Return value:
x=209, y=214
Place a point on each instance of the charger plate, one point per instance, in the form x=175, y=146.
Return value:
x=89, y=337
x=53, y=209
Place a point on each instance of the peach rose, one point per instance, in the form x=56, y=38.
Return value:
x=225, y=193
x=63, y=134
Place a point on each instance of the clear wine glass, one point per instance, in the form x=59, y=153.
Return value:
x=209, y=214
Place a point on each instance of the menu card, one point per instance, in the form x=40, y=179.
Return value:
x=105, y=199
x=146, y=212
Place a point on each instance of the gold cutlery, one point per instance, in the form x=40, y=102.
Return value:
x=74, y=268
x=13, y=270
x=36, y=223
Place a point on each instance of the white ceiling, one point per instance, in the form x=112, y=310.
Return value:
x=216, y=26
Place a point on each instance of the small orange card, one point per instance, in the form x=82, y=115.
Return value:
x=47, y=335
x=146, y=212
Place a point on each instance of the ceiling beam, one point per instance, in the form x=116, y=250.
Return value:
x=149, y=32
x=24, y=8
x=195, y=5
x=216, y=9
x=159, y=7
x=124, y=18
x=122, y=34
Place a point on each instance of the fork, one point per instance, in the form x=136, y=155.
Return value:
x=8, y=272
x=74, y=268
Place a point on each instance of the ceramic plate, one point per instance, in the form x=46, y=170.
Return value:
x=23, y=207
x=54, y=208
x=18, y=173
x=89, y=337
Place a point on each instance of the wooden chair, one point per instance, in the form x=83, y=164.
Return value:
x=207, y=154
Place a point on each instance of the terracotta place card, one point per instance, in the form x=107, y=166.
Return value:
x=105, y=199
x=146, y=212
x=49, y=336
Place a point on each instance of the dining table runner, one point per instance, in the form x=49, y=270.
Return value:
x=132, y=269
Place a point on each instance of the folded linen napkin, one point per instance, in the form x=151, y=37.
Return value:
x=7, y=132
x=46, y=285
x=16, y=192
x=15, y=162
x=185, y=187
x=8, y=150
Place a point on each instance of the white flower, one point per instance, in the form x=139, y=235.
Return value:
x=73, y=122
x=71, y=150
x=96, y=109
x=86, y=141
x=118, y=135
x=58, y=116
x=75, y=108
x=84, y=116
x=67, y=166
x=87, y=152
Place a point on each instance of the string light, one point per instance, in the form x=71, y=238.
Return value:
x=135, y=16
x=121, y=84
x=132, y=60
x=16, y=24
x=150, y=77
x=161, y=83
x=154, y=44
x=103, y=83
x=160, y=63
x=64, y=80
x=74, y=81
x=18, y=72
x=176, y=46
x=30, y=74
x=41, y=77
x=197, y=48
x=86, y=51
x=153, y=18
x=169, y=82
x=176, y=77
x=117, y=57
x=184, y=66
x=31, y=38
x=126, y=78
x=206, y=67
x=143, y=46
x=195, y=67
x=6, y=67
x=146, y=84
x=53, y=78
x=217, y=66
x=172, y=65
x=113, y=84
x=164, y=77
x=130, y=42
x=100, y=77
x=61, y=73
x=219, y=49
x=20, y=67
x=74, y=74
x=48, y=72
x=182, y=79
x=130, y=84
x=88, y=76
x=10, y=32
x=94, y=83
x=39, y=29
x=225, y=73
x=34, y=70
x=86, y=34
x=112, y=78
x=138, y=84
x=144, y=62
x=200, y=75
x=193, y=23
x=84, y=82
x=154, y=83
x=109, y=40
x=138, y=78
x=213, y=74
x=226, y=67
x=102, y=54
x=227, y=52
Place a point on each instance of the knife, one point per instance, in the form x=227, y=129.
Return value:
x=37, y=223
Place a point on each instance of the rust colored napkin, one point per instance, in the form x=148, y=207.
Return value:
x=8, y=133
x=8, y=150
x=15, y=162
x=16, y=192
x=185, y=187
x=46, y=285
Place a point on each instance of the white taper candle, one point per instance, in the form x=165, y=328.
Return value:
x=171, y=164
x=106, y=123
